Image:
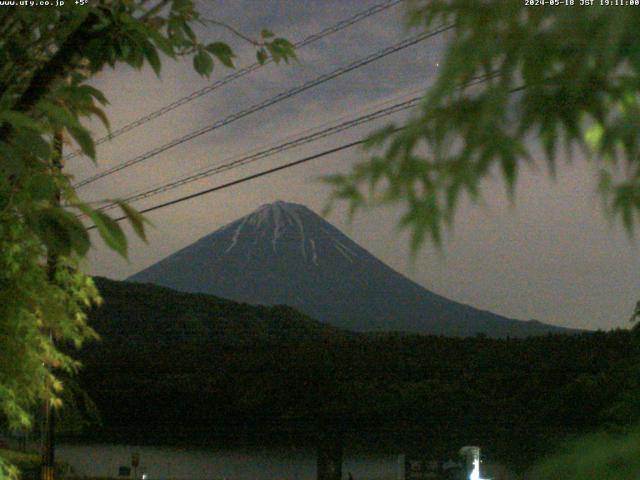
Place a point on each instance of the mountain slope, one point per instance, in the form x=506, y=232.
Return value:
x=152, y=315
x=283, y=253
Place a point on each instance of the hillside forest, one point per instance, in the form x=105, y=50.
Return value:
x=195, y=369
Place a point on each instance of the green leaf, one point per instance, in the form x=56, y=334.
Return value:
x=280, y=49
x=11, y=164
x=59, y=117
x=99, y=52
x=262, y=56
x=163, y=43
x=223, y=52
x=182, y=6
x=267, y=33
x=84, y=208
x=98, y=112
x=190, y=33
x=274, y=52
x=135, y=56
x=509, y=167
x=20, y=120
x=594, y=136
x=203, y=63
x=60, y=231
x=135, y=218
x=41, y=187
x=379, y=137
x=174, y=29
x=110, y=232
x=124, y=47
x=151, y=54
x=51, y=231
x=82, y=136
x=32, y=143
x=160, y=41
x=80, y=241
x=94, y=92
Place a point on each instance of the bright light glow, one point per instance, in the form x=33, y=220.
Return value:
x=472, y=455
x=475, y=473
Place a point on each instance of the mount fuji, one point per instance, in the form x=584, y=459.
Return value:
x=284, y=253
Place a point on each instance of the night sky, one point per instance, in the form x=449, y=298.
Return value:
x=553, y=256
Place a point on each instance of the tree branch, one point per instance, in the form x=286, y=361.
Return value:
x=233, y=30
x=152, y=11
x=55, y=68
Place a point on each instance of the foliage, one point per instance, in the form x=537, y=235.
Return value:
x=35, y=310
x=602, y=456
x=28, y=465
x=7, y=470
x=541, y=75
x=22, y=459
x=514, y=76
x=79, y=413
x=46, y=58
x=15, y=464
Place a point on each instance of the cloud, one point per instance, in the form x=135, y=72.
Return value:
x=549, y=258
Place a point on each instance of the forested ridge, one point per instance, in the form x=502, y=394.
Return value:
x=179, y=367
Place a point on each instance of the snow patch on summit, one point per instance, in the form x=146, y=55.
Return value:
x=259, y=217
x=314, y=254
x=293, y=215
x=280, y=218
x=346, y=253
x=236, y=234
x=276, y=226
x=339, y=246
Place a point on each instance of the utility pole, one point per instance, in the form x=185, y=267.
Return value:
x=48, y=445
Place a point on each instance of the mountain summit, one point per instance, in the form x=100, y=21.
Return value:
x=284, y=253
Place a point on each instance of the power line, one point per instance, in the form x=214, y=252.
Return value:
x=246, y=179
x=291, y=137
x=282, y=147
x=264, y=104
x=210, y=166
x=358, y=17
x=260, y=106
x=324, y=153
x=271, y=151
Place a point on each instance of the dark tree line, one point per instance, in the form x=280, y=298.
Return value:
x=191, y=368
